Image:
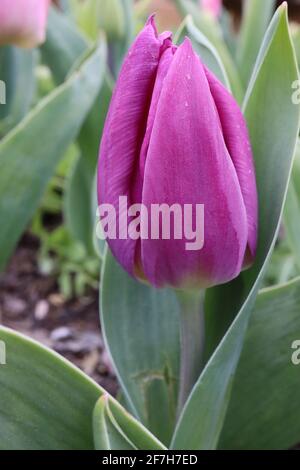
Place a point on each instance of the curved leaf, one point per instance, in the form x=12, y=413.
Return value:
x=64, y=45
x=273, y=122
x=292, y=210
x=17, y=71
x=115, y=429
x=265, y=403
x=46, y=403
x=256, y=18
x=27, y=164
x=141, y=330
x=78, y=205
x=107, y=436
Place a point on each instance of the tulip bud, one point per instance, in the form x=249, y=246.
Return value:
x=214, y=7
x=23, y=22
x=112, y=19
x=175, y=136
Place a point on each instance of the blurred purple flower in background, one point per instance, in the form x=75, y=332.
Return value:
x=212, y=6
x=23, y=22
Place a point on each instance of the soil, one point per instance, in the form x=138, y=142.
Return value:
x=31, y=304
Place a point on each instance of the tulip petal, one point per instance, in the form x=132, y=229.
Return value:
x=125, y=130
x=164, y=65
x=23, y=22
x=188, y=163
x=238, y=144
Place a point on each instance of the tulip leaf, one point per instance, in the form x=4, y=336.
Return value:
x=77, y=201
x=64, y=45
x=273, y=122
x=98, y=242
x=141, y=330
x=258, y=104
x=212, y=31
x=27, y=164
x=8, y=77
x=107, y=435
x=115, y=429
x=292, y=221
x=206, y=51
x=128, y=11
x=37, y=411
x=79, y=211
x=17, y=73
x=138, y=435
x=45, y=402
x=296, y=41
x=87, y=16
x=256, y=18
x=118, y=46
x=292, y=210
x=296, y=170
x=265, y=403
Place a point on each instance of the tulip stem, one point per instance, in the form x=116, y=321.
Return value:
x=192, y=342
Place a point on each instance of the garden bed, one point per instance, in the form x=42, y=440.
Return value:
x=31, y=303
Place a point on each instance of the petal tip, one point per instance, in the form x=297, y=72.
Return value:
x=186, y=46
x=151, y=22
x=187, y=43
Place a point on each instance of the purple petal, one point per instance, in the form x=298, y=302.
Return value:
x=188, y=163
x=238, y=144
x=125, y=129
x=164, y=65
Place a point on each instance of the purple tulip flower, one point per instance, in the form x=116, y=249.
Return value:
x=175, y=135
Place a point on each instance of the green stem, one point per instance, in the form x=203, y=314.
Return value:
x=192, y=342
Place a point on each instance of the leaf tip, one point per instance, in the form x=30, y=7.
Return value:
x=283, y=9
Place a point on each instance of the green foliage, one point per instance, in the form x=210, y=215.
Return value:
x=264, y=405
x=31, y=164
x=17, y=69
x=272, y=135
x=38, y=412
x=148, y=364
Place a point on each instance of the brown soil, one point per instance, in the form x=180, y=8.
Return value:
x=31, y=304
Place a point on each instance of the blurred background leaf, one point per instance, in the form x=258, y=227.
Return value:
x=17, y=71
x=25, y=174
x=64, y=45
x=79, y=207
x=256, y=18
